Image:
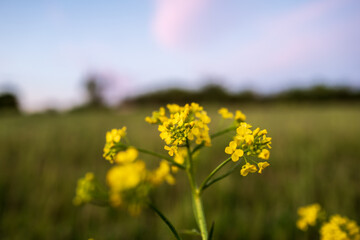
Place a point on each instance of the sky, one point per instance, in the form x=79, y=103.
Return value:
x=48, y=48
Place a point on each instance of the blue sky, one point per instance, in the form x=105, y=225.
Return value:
x=48, y=47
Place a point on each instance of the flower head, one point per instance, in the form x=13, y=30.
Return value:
x=189, y=122
x=239, y=116
x=307, y=216
x=162, y=174
x=224, y=112
x=340, y=228
x=127, y=156
x=249, y=143
x=112, y=137
x=85, y=189
x=247, y=168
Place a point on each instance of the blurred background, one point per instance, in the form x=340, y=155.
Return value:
x=71, y=70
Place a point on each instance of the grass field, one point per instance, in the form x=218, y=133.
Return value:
x=315, y=158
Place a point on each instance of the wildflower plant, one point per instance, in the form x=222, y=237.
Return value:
x=184, y=131
x=335, y=227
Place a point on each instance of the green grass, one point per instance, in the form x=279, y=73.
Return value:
x=315, y=158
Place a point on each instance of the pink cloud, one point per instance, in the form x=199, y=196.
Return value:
x=288, y=41
x=173, y=20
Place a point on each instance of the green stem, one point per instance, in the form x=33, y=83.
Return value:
x=196, y=198
x=166, y=221
x=213, y=173
x=220, y=177
x=212, y=136
x=226, y=130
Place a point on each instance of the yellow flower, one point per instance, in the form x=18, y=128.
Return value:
x=339, y=228
x=239, y=116
x=231, y=148
x=85, y=189
x=235, y=153
x=127, y=156
x=162, y=174
x=263, y=132
x=224, y=112
x=262, y=165
x=256, y=131
x=264, y=154
x=112, y=137
x=308, y=215
x=243, y=129
x=157, y=116
x=172, y=150
x=247, y=168
x=127, y=176
x=184, y=123
x=249, y=139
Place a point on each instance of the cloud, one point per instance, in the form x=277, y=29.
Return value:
x=173, y=20
x=304, y=41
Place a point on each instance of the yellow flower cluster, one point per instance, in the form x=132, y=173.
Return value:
x=238, y=116
x=162, y=174
x=250, y=143
x=189, y=122
x=85, y=189
x=339, y=228
x=130, y=182
x=112, y=137
x=308, y=215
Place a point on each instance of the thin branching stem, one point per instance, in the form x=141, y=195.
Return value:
x=166, y=221
x=207, y=179
x=209, y=183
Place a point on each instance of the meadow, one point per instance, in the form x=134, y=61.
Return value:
x=315, y=158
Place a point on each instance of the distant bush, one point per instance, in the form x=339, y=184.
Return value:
x=216, y=93
x=9, y=103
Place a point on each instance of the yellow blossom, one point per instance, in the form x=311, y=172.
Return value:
x=157, y=116
x=262, y=132
x=224, y=112
x=243, y=129
x=249, y=139
x=187, y=122
x=256, y=131
x=264, y=154
x=307, y=216
x=231, y=148
x=85, y=189
x=247, y=168
x=127, y=156
x=239, y=116
x=172, y=150
x=339, y=228
x=235, y=153
x=127, y=176
x=162, y=174
x=262, y=165
x=112, y=137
